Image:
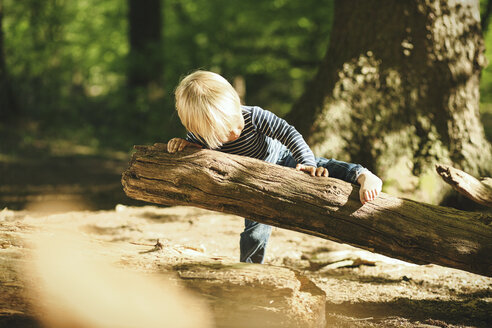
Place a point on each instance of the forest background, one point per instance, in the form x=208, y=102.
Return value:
x=97, y=77
x=70, y=66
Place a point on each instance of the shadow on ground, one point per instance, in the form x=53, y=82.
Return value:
x=62, y=183
x=470, y=311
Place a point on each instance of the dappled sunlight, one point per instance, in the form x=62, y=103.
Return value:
x=395, y=86
x=90, y=265
x=60, y=204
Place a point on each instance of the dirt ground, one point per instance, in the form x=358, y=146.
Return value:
x=363, y=289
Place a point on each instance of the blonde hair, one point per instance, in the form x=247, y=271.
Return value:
x=209, y=107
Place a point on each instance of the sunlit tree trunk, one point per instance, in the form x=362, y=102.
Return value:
x=144, y=34
x=398, y=91
x=8, y=105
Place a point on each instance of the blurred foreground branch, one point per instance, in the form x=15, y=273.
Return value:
x=324, y=207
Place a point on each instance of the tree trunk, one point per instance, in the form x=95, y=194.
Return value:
x=8, y=104
x=144, y=34
x=323, y=207
x=398, y=90
x=478, y=191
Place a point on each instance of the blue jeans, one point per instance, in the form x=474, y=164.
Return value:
x=255, y=236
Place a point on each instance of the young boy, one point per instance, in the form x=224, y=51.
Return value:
x=210, y=110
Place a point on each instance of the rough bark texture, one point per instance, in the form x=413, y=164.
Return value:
x=324, y=207
x=478, y=191
x=400, y=92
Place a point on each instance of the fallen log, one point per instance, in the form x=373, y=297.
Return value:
x=324, y=207
x=480, y=191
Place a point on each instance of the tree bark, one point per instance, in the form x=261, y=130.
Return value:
x=478, y=191
x=323, y=207
x=400, y=91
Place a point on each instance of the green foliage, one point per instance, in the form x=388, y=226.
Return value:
x=486, y=81
x=68, y=61
x=275, y=45
x=486, y=78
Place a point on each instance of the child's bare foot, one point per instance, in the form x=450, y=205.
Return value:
x=370, y=186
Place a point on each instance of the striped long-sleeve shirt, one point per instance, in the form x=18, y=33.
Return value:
x=259, y=126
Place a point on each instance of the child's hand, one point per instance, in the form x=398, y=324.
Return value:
x=178, y=144
x=314, y=171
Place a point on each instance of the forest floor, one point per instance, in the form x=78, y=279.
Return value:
x=363, y=289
